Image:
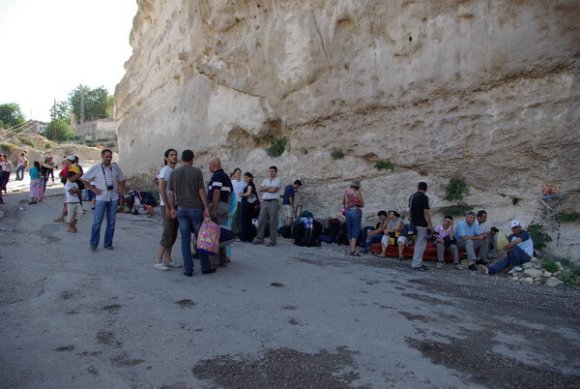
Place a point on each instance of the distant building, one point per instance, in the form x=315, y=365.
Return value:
x=97, y=130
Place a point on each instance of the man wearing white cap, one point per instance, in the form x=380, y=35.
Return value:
x=520, y=250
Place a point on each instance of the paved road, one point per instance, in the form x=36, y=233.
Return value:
x=276, y=317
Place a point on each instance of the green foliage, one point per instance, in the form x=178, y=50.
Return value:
x=47, y=146
x=25, y=141
x=539, y=236
x=61, y=129
x=95, y=103
x=11, y=115
x=551, y=266
x=457, y=210
x=455, y=189
x=60, y=111
x=277, y=147
x=337, y=153
x=7, y=148
x=570, y=217
x=384, y=165
x=110, y=106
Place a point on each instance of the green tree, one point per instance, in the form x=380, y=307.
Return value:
x=60, y=111
x=11, y=115
x=93, y=100
x=63, y=130
x=110, y=106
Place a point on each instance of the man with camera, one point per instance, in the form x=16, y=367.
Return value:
x=107, y=181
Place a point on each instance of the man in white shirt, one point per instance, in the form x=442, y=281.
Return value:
x=269, y=208
x=170, y=227
x=107, y=181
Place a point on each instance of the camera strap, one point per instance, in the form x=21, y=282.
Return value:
x=105, y=176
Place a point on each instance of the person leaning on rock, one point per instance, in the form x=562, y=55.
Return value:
x=520, y=250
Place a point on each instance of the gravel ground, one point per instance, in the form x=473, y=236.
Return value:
x=282, y=316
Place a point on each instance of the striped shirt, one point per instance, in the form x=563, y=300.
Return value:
x=103, y=176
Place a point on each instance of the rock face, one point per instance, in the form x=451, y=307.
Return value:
x=487, y=90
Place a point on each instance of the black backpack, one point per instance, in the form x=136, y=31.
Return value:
x=306, y=236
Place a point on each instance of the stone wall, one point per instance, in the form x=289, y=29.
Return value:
x=485, y=89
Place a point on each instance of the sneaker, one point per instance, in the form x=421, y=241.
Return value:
x=472, y=267
x=108, y=247
x=210, y=271
x=401, y=258
x=484, y=270
x=481, y=262
x=458, y=267
x=93, y=248
x=160, y=266
x=439, y=265
x=188, y=274
x=420, y=268
x=354, y=254
x=515, y=269
x=172, y=264
x=257, y=241
x=271, y=244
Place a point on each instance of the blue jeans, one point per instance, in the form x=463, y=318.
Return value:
x=353, y=220
x=190, y=220
x=20, y=173
x=516, y=257
x=110, y=207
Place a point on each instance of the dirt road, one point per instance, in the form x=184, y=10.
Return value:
x=280, y=316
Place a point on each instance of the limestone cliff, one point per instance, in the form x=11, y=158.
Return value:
x=486, y=89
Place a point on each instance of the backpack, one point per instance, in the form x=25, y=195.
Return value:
x=307, y=232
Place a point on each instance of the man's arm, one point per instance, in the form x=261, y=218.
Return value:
x=427, y=216
x=171, y=203
x=203, y=196
x=163, y=195
x=215, y=200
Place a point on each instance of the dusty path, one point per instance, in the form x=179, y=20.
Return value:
x=283, y=316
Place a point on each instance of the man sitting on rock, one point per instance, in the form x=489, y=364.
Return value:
x=374, y=235
x=520, y=250
x=469, y=239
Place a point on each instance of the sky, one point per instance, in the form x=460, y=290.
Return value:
x=49, y=47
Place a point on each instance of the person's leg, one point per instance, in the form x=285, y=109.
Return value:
x=470, y=250
x=185, y=228
x=518, y=256
x=420, y=245
x=483, y=249
x=401, y=243
x=273, y=213
x=454, y=252
x=440, y=252
x=111, y=219
x=262, y=218
x=498, y=266
x=100, y=208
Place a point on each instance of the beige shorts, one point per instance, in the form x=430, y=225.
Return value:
x=288, y=211
x=73, y=211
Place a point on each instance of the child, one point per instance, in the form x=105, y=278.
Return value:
x=73, y=205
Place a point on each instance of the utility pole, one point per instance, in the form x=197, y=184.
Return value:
x=54, y=123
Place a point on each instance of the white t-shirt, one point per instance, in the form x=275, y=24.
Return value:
x=71, y=197
x=165, y=174
x=239, y=189
x=271, y=182
x=102, y=177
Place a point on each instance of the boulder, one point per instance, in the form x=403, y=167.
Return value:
x=552, y=282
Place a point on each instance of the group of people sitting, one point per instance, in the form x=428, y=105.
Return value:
x=473, y=235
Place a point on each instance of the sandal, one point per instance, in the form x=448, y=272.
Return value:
x=354, y=254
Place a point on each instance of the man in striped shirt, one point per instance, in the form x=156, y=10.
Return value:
x=107, y=181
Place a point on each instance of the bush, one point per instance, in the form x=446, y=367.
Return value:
x=277, y=147
x=47, y=146
x=337, y=154
x=384, y=165
x=551, y=266
x=7, y=148
x=455, y=189
x=539, y=236
x=25, y=141
x=568, y=217
x=457, y=210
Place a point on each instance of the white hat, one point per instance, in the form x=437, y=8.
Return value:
x=71, y=158
x=515, y=223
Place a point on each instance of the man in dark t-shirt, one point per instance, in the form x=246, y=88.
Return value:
x=421, y=218
x=188, y=203
x=220, y=189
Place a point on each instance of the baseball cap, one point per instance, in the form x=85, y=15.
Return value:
x=71, y=158
x=515, y=223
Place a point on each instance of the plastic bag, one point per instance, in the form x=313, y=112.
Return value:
x=208, y=239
